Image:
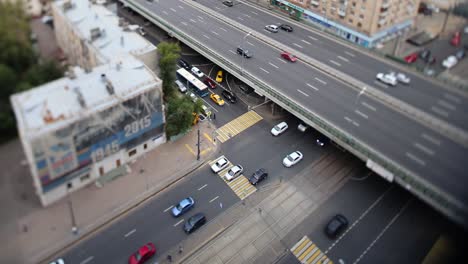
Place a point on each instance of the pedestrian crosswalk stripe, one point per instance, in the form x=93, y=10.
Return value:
x=240, y=185
x=308, y=252
x=237, y=125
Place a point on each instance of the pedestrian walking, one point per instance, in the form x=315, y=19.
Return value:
x=221, y=205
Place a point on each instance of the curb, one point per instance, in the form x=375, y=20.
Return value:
x=42, y=258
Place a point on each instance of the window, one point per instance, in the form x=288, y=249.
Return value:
x=145, y=146
x=84, y=177
x=132, y=152
x=350, y=20
x=69, y=185
x=101, y=171
x=359, y=24
x=117, y=162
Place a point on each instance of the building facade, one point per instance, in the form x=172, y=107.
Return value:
x=365, y=22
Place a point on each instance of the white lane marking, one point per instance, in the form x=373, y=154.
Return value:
x=217, y=7
x=87, y=260
x=193, y=21
x=382, y=232
x=214, y=33
x=169, y=208
x=164, y=11
x=351, y=121
x=223, y=29
x=383, y=85
x=173, y=10
x=312, y=38
x=452, y=98
x=439, y=111
x=361, y=114
x=253, y=12
x=343, y=58
x=349, y=53
x=273, y=65
x=297, y=45
x=240, y=18
x=311, y=86
x=334, y=62
x=201, y=188
x=130, y=233
x=183, y=23
x=206, y=36
x=251, y=44
x=247, y=15
x=306, y=42
x=303, y=93
x=431, y=139
x=369, y=106
x=424, y=148
x=214, y=199
x=232, y=52
x=320, y=80
x=415, y=159
x=264, y=70
x=181, y=7
x=281, y=59
x=447, y=105
x=176, y=224
x=200, y=17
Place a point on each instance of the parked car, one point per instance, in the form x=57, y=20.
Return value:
x=220, y=164
x=143, y=254
x=322, y=140
x=386, y=78
x=246, y=89
x=219, y=77
x=210, y=83
x=336, y=225
x=411, y=58
x=244, y=52
x=286, y=28
x=449, y=62
x=288, y=56
x=183, y=206
x=181, y=86
x=292, y=159
x=272, y=28
x=403, y=78
x=279, y=128
x=258, y=176
x=460, y=54
x=184, y=64
x=142, y=31
x=302, y=127
x=456, y=39
x=217, y=99
x=228, y=3
x=58, y=261
x=197, y=72
x=229, y=96
x=194, y=222
x=233, y=172
x=193, y=97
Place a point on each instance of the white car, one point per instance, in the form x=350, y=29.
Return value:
x=58, y=261
x=387, y=78
x=449, y=62
x=193, y=97
x=197, y=72
x=233, y=172
x=403, y=78
x=272, y=28
x=181, y=86
x=292, y=159
x=220, y=164
x=279, y=128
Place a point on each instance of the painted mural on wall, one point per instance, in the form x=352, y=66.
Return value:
x=70, y=152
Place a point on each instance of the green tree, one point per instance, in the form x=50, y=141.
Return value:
x=168, y=56
x=179, y=115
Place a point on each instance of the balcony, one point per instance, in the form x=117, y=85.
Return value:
x=382, y=21
x=342, y=11
x=315, y=3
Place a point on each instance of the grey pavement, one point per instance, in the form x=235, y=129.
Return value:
x=35, y=233
x=257, y=237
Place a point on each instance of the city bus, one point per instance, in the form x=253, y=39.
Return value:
x=192, y=82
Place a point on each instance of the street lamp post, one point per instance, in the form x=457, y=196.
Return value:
x=72, y=212
x=243, y=54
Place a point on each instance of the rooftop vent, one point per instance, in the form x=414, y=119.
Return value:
x=95, y=33
x=80, y=97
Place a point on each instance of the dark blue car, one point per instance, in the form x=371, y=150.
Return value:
x=183, y=206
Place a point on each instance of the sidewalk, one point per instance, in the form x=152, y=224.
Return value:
x=35, y=233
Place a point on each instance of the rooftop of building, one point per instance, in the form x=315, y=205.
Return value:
x=98, y=25
x=55, y=104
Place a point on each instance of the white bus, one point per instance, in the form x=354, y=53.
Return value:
x=192, y=82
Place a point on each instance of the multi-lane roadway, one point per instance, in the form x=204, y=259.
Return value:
x=436, y=159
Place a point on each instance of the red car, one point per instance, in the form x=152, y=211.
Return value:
x=456, y=39
x=143, y=254
x=288, y=56
x=210, y=83
x=411, y=58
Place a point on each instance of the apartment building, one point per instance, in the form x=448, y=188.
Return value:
x=365, y=22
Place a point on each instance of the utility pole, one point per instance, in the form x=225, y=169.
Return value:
x=72, y=212
x=198, y=144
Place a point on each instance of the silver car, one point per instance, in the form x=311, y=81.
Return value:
x=272, y=28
